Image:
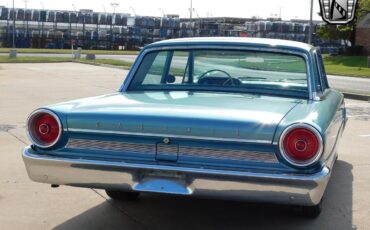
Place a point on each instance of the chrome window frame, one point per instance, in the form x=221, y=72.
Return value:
x=306, y=55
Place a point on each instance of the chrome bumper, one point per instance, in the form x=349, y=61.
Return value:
x=277, y=188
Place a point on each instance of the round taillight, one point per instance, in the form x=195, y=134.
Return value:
x=44, y=128
x=301, y=145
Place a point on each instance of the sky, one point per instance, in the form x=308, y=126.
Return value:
x=290, y=9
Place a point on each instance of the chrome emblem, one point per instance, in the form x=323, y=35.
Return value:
x=166, y=140
x=338, y=11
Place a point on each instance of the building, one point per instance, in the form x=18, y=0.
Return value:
x=363, y=33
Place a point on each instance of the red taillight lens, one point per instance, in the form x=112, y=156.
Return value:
x=301, y=146
x=44, y=128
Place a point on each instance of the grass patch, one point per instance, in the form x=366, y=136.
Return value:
x=68, y=51
x=353, y=66
x=6, y=59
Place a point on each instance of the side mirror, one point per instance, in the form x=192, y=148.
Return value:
x=170, y=79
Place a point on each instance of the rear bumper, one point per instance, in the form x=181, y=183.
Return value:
x=277, y=188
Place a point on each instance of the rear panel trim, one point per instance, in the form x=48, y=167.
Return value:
x=183, y=151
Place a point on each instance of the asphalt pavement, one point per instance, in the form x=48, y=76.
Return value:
x=28, y=205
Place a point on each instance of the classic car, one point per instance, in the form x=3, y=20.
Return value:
x=229, y=118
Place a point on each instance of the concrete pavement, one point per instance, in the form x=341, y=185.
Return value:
x=29, y=205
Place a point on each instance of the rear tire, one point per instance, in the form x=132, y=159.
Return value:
x=121, y=195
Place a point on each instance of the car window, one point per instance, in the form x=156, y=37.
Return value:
x=257, y=67
x=156, y=69
x=221, y=70
x=178, y=67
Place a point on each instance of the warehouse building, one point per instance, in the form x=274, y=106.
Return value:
x=96, y=30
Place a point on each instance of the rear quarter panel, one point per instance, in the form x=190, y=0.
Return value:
x=326, y=115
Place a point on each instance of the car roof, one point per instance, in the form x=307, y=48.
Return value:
x=233, y=41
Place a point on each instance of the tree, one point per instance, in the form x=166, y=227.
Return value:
x=345, y=32
x=334, y=32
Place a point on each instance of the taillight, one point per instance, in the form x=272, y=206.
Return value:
x=44, y=128
x=301, y=145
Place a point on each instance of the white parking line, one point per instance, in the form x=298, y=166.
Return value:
x=366, y=135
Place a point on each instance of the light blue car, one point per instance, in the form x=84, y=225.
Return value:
x=231, y=118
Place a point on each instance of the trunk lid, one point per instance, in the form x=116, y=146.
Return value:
x=204, y=116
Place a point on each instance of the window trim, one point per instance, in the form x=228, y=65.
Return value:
x=321, y=70
x=311, y=89
x=167, y=66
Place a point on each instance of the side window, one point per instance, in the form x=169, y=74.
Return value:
x=177, y=71
x=323, y=77
x=157, y=68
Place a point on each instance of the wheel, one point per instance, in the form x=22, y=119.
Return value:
x=121, y=195
x=311, y=211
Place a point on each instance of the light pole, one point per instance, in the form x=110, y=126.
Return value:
x=200, y=20
x=13, y=51
x=73, y=41
x=13, y=26
x=114, y=6
x=163, y=14
x=25, y=15
x=133, y=10
x=280, y=12
x=74, y=8
x=191, y=10
x=41, y=33
x=311, y=25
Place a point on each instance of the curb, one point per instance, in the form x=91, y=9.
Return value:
x=354, y=96
x=102, y=65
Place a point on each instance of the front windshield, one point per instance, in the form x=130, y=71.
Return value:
x=221, y=70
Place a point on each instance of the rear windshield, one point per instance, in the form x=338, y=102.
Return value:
x=221, y=70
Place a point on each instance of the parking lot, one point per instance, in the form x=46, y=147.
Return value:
x=28, y=205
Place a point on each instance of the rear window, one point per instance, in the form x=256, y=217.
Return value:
x=221, y=70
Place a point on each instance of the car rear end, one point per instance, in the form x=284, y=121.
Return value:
x=202, y=154
x=235, y=120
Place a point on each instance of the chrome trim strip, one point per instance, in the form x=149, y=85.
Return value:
x=184, y=151
x=169, y=136
x=110, y=146
x=319, y=71
x=228, y=154
x=28, y=128
x=292, y=161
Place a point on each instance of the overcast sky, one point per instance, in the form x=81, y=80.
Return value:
x=290, y=9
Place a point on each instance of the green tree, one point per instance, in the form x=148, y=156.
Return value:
x=345, y=32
